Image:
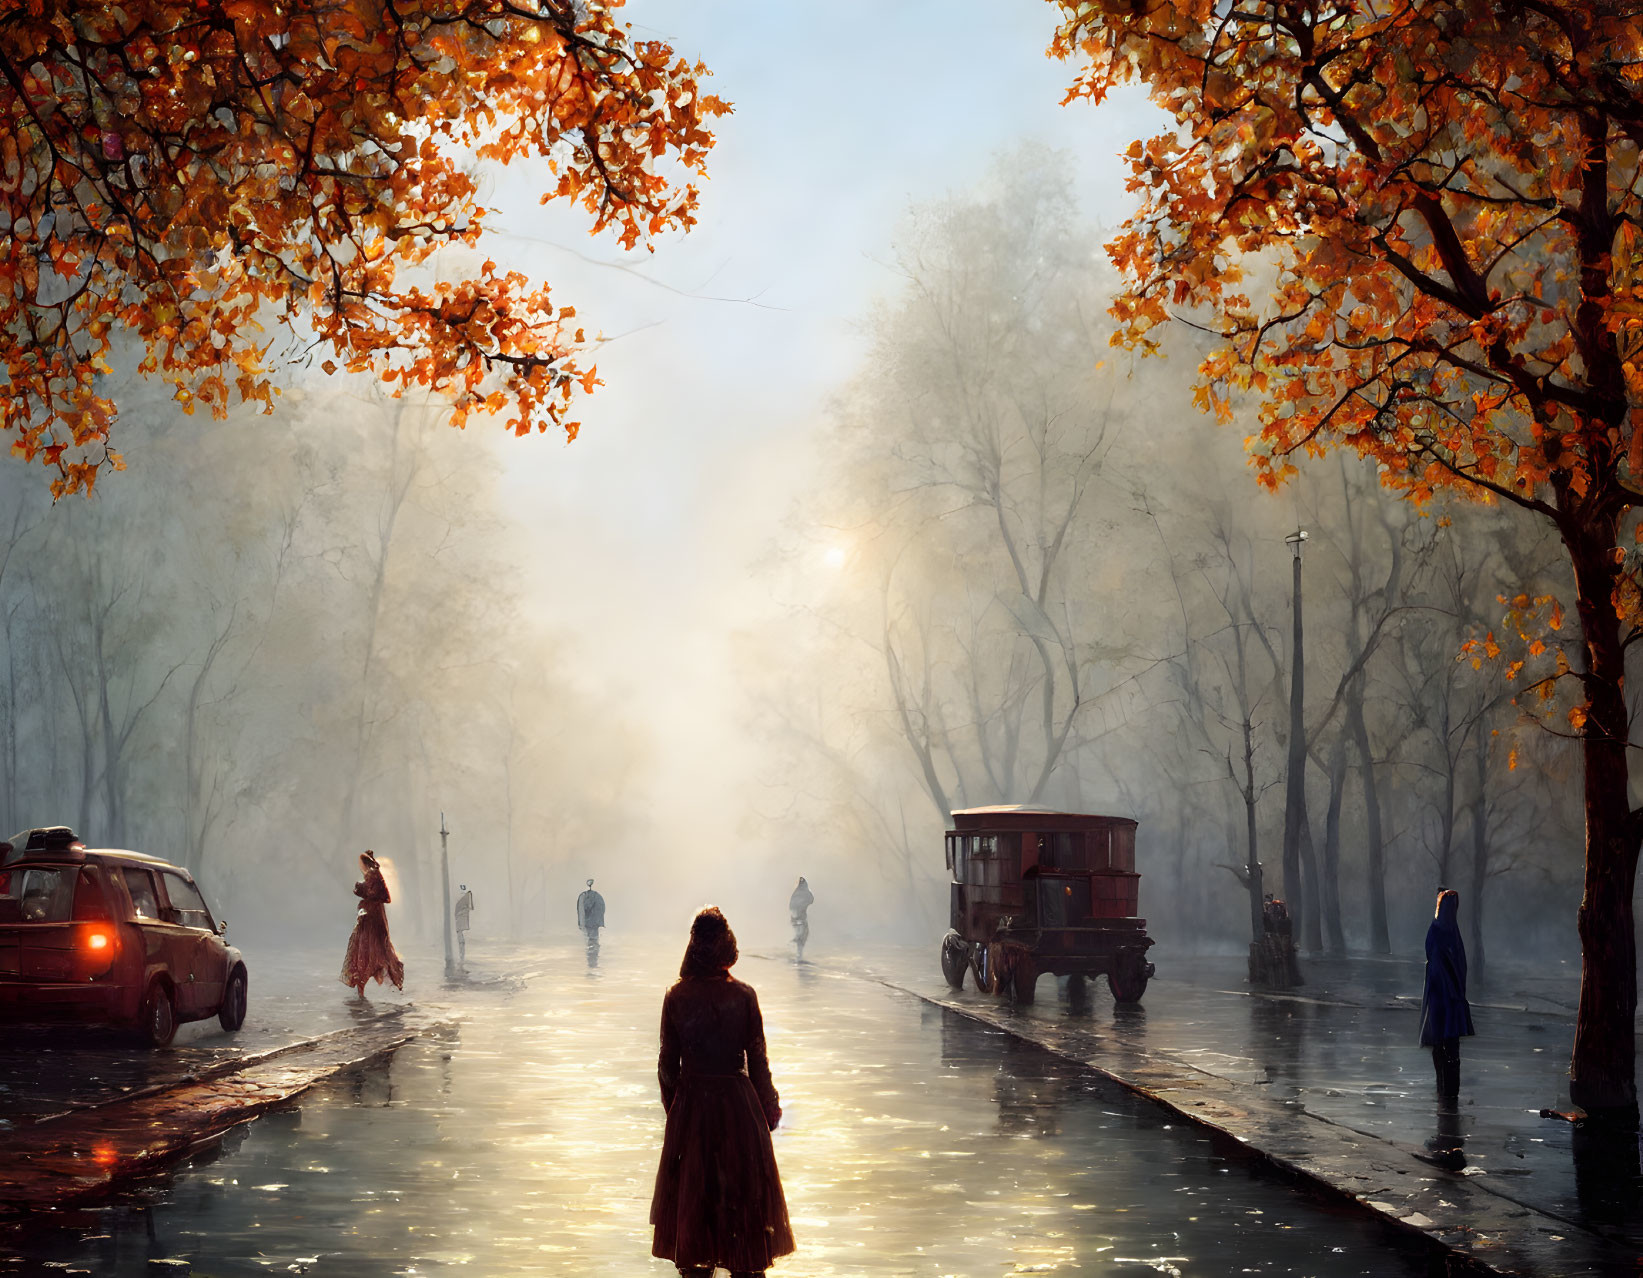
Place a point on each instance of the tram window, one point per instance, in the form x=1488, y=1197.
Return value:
x=988, y=845
x=1063, y=850
x=961, y=858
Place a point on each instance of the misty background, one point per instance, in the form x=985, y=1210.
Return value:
x=867, y=522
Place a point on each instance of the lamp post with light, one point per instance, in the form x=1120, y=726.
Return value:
x=1295, y=789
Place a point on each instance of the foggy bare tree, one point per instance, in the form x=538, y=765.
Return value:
x=986, y=425
x=187, y=668
x=1043, y=591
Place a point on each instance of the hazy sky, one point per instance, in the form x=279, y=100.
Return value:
x=693, y=452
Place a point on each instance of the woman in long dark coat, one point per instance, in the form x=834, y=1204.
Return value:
x=1446, y=1017
x=370, y=953
x=718, y=1200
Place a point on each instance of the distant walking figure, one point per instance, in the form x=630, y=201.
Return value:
x=370, y=952
x=798, y=910
x=1446, y=1017
x=464, y=920
x=590, y=917
x=718, y=1200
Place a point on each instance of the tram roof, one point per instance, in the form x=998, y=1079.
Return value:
x=1011, y=807
x=1026, y=815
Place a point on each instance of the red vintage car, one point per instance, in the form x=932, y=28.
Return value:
x=1037, y=891
x=105, y=936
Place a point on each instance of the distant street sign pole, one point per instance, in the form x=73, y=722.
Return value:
x=445, y=883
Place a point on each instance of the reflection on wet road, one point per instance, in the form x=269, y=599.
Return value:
x=914, y=1142
x=1345, y=1048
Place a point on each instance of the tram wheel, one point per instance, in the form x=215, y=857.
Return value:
x=1128, y=978
x=955, y=958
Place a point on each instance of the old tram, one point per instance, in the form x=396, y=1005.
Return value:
x=1037, y=891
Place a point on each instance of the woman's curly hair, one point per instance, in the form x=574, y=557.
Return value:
x=712, y=949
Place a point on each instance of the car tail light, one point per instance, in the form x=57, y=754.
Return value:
x=97, y=946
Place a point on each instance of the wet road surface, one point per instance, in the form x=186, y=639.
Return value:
x=914, y=1142
x=1345, y=1047
x=293, y=997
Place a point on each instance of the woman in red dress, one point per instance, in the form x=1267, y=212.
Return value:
x=718, y=1200
x=370, y=952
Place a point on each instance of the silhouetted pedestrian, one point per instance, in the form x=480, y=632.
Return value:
x=590, y=917
x=718, y=1200
x=798, y=913
x=1446, y=1017
x=370, y=952
x=464, y=920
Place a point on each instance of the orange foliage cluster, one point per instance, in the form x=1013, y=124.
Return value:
x=184, y=169
x=1531, y=619
x=1416, y=228
x=1426, y=181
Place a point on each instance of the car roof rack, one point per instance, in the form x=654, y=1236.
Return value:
x=43, y=838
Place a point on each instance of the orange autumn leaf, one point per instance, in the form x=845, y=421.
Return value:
x=181, y=172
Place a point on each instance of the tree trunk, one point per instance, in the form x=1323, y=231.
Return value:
x=1178, y=846
x=1330, y=881
x=1379, y=941
x=1311, y=892
x=397, y=488
x=1603, y=1071
x=1446, y=846
x=8, y=744
x=1480, y=847
x=114, y=821
x=507, y=824
x=1252, y=863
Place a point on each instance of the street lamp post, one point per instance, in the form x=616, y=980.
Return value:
x=1295, y=789
x=445, y=885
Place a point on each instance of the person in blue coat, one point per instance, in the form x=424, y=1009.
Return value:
x=1446, y=1017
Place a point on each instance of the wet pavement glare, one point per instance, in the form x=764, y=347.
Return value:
x=523, y=1140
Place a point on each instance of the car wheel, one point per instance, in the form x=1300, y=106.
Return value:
x=159, y=1024
x=231, y=1015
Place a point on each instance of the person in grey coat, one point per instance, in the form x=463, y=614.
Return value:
x=590, y=917
x=464, y=920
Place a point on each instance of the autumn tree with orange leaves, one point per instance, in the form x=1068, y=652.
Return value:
x=1416, y=229
x=192, y=172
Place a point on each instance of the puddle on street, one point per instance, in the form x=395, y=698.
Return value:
x=914, y=1142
